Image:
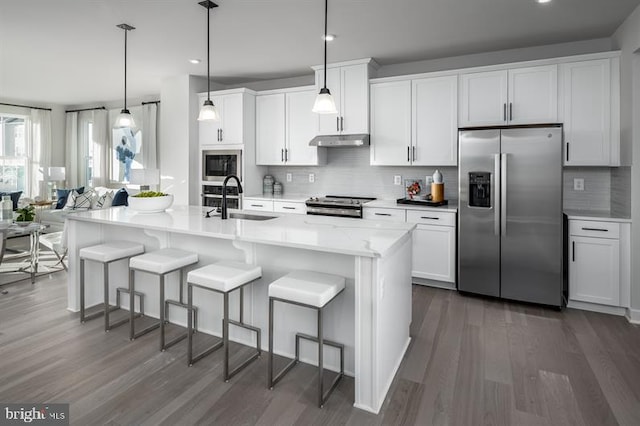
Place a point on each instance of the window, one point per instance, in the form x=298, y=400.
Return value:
x=14, y=173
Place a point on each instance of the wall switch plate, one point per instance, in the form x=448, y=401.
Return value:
x=289, y=177
x=578, y=184
x=397, y=180
x=312, y=178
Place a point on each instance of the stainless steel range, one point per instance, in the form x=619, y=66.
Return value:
x=334, y=205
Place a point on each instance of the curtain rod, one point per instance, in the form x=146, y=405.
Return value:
x=151, y=102
x=85, y=109
x=26, y=106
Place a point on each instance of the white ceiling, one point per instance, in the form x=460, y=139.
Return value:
x=70, y=52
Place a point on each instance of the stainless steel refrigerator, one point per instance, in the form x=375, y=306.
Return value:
x=510, y=222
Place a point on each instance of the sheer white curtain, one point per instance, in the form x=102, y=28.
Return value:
x=149, y=135
x=71, y=151
x=40, y=147
x=101, y=148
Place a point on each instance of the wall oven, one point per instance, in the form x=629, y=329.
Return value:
x=212, y=196
x=218, y=164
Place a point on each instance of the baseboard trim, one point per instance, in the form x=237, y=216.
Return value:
x=633, y=316
x=595, y=307
x=433, y=283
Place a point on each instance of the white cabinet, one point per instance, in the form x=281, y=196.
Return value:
x=415, y=122
x=236, y=108
x=289, y=207
x=590, y=112
x=284, y=126
x=434, y=245
x=349, y=85
x=391, y=215
x=258, y=204
x=272, y=205
x=594, y=262
x=515, y=96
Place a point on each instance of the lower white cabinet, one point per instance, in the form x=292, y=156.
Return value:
x=271, y=205
x=434, y=240
x=595, y=262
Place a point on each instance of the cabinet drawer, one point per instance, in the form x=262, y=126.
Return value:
x=588, y=228
x=258, y=204
x=289, y=207
x=429, y=217
x=394, y=215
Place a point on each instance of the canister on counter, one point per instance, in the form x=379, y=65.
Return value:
x=267, y=184
x=277, y=188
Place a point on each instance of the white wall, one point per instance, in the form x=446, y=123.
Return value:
x=627, y=39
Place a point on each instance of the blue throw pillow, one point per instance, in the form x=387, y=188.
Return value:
x=15, y=196
x=120, y=198
x=63, y=194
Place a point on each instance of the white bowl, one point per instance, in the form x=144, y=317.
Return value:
x=150, y=204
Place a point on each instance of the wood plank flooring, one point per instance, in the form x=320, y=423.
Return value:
x=471, y=361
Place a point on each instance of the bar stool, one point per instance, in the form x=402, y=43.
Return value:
x=160, y=262
x=312, y=290
x=223, y=277
x=106, y=254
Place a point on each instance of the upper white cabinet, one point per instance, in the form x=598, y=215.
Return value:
x=415, y=122
x=237, y=115
x=590, y=112
x=284, y=126
x=515, y=96
x=348, y=82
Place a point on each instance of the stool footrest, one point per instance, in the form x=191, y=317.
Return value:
x=99, y=313
x=181, y=305
x=174, y=341
x=282, y=372
x=146, y=330
x=206, y=352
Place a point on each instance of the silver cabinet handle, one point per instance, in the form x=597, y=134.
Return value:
x=429, y=217
x=595, y=229
x=382, y=214
x=510, y=111
x=288, y=208
x=567, y=151
x=408, y=154
x=504, y=112
x=341, y=123
x=337, y=124
x=282, y=155
x=503, y=193
x=257, y=205
x=495, y=180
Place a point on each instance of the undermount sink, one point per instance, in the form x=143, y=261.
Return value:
x=245, y=216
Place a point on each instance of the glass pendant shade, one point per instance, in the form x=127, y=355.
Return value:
x=124, y=119
x=208, y=112
x=324, y=103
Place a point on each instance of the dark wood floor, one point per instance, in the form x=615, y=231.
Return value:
x=472, y=361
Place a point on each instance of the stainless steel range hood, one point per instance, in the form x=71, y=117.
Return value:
x=340, y=141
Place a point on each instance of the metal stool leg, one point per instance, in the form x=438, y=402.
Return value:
x=225, y=336
x=82, y=319
x=105, y=277
x=320, y=361
x=132, y=287
x=270, y=366
x=162, y=312
x=189, y=324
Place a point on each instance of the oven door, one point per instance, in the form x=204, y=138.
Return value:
x=216, y=165
x=212, y=196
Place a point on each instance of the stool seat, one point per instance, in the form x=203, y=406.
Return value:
x=224, y=276
x=307, y=287
x=163, y=260
x=111, y=251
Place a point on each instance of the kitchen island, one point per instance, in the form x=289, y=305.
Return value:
x=371, y=317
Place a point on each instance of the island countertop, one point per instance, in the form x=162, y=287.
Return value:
x=322, y=233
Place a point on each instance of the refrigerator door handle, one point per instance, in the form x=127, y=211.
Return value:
x=503, y=193
x=497, y=178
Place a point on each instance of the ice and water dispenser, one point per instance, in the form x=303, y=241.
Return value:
x=480, y=189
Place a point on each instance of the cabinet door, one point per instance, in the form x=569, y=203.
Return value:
x=586, y=95
x=391, y=123
x=483, y=99
x=270, y=129
x=354, y=107
x=594, y=270
x=329, y=123
x=208, y=130
x=232, y=119
x=301, y=127
x=435, y=121
x=533, y=95
x=289, y=207
x=434, y=253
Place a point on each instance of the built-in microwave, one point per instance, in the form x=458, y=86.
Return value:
x=218, y=164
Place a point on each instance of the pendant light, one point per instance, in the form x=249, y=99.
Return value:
x=208, y=112
x=324, y=103
x=125, y=119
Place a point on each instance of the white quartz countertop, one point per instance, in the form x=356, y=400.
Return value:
x=296, y=198
x=392, y=204
x=354, y=237
x=601, y=215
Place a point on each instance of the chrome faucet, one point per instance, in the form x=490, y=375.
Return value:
x=224, y=194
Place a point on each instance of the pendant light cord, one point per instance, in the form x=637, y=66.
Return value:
x=125, y=68
x=208, y=54
x=326, y=8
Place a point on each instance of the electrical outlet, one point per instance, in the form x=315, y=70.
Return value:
x=578, y=184
x=397, y=180
x=312, y=178
x=289, y=177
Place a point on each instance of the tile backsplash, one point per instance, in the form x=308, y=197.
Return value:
x=597, y=188
x=621, y=191
x=348, y=172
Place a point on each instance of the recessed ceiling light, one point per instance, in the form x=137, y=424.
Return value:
x=330, y=37
x=195, y=61
x=543, y=1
